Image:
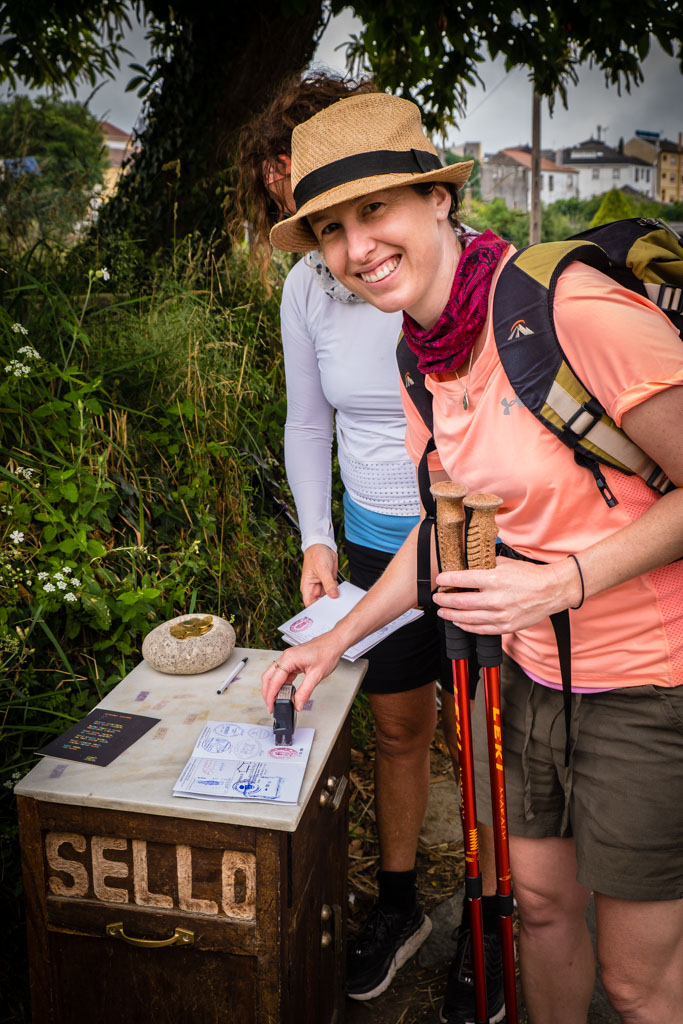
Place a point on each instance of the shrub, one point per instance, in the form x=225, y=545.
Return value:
x=134, y=434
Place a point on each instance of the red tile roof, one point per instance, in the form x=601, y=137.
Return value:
x=524, y=158
x=112, y=132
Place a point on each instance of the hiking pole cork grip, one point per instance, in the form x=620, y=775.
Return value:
x=482, y=530
x=450, y=517
x=480, y=553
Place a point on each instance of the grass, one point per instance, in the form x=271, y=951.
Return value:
x=141, y=443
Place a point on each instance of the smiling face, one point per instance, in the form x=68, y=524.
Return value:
x=395, y=248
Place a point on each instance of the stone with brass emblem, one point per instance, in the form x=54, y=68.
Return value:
x=189, y=644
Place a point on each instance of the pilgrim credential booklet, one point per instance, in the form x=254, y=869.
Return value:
x=239, y=761
x=324, y=613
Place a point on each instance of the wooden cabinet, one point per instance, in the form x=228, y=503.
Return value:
x=207, y=914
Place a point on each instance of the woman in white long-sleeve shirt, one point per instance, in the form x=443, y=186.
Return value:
x=341, y=373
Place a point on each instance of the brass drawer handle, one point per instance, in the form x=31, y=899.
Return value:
x=180, y=937
x=333, y=793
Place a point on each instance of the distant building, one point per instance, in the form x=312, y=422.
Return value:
x=601, y=168
x=666, y=158
x=472, y=150
x=507, y=175
x=119, y=146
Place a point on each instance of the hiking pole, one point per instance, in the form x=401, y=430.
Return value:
x=480, y=553
x=450, y=517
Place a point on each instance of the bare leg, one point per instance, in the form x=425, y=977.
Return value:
x=555, y=952
x=404, y=724
x=640, y=949
x=487, y=856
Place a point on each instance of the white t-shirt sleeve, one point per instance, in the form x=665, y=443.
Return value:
x=310, y=421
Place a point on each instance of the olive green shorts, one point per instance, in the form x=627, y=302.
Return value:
x=621, y=798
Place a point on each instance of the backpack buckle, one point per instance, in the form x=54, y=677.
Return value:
x=670, y=298
x=576, y=427
x=659, y=481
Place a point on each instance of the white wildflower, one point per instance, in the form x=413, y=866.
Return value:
x=16, y=536
x=42, y=576
x=75, y=582
x=28, y=351
x=7, y=509
x=58, y=576
x=105, y=274
x=67, y=569
x=48, y=588
x=19, y=329
x=70, y=597
x=17, y=369
x=25, y=471
x=61, y=584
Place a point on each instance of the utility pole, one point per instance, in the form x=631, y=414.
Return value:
x=535, y=212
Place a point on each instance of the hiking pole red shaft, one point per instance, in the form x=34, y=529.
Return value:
x=450, y=516
x=480, y=549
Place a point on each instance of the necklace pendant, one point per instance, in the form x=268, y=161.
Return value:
x=465, y=400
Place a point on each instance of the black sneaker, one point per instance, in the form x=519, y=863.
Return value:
x=458, y=1005
x=387, y=940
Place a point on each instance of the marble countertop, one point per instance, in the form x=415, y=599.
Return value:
x=142, y=777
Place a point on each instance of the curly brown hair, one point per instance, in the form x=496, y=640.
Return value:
x=268, y=136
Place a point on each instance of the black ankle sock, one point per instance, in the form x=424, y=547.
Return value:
x=397, y=889
x=490, y=913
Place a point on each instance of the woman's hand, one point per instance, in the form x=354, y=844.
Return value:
x=316, y=659
x=512, y=596
x=319, y=573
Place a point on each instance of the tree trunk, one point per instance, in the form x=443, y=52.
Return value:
x=226, y=61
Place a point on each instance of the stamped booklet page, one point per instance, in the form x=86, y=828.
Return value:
x=239, y=761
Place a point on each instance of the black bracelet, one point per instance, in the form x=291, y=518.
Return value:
x=583, y=589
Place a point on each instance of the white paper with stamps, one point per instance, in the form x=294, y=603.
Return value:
x=239, y=761
x=326, y=612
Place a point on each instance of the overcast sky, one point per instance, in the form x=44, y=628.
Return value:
x=498, y=116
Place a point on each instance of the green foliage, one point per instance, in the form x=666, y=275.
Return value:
x=132, y=432
x=66, y=142
x=512, y=225
x=430, y=52
x=561, y=219
x=614, y=206
x=47, y=43
x=579, y=212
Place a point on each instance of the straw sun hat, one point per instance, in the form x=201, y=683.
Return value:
x=351, y=148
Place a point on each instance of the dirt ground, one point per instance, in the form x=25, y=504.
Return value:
x=416, y=994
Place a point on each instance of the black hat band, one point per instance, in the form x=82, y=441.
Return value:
x=363, y=165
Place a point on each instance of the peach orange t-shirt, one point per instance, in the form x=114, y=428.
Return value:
x=624, y=349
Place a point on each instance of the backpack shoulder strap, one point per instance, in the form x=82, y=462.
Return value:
x=413, y=381
x=540, y=373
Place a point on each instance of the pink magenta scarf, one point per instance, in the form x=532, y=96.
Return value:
x=449, y=342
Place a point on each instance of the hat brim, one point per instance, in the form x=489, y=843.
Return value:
x=294, y=234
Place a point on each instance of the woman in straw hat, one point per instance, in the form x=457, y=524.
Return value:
x=612, y=822
x=339, y=363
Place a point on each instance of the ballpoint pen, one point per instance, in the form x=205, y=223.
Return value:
x=235, y=672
